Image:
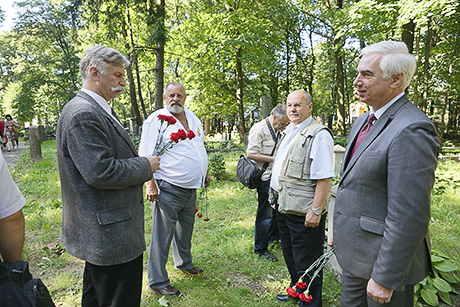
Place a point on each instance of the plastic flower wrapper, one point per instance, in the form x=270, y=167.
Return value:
x=316, y=267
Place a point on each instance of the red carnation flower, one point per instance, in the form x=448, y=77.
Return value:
x=182, y=134
x=308, y=299
x=301, y=285
x=175, y=137
x=199, y=215
x=206, y=219
x=170, y=119
x=292, y=292
x=196, y=209
x=190, y=134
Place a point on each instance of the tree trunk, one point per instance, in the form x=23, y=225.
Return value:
x=129, y=74
x=160, y=56
x=288, y=51
x=416, y=75
x=341, y=112
x=139, y=88
x=426, y=67
x=239, y=94
x=408, y=35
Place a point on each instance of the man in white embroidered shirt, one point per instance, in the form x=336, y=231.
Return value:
x=183, y=170
x=300, y=182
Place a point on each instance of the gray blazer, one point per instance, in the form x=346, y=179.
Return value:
x=101, y=181
x=382, y=207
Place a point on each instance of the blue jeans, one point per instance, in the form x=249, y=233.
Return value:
x=266, y=227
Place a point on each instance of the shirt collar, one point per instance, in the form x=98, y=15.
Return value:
x=382, y=110
x=102, y=102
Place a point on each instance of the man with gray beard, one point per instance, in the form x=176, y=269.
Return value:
x=183, y=170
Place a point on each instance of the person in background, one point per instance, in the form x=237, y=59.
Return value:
x=2, y=131
x=9, y=132
x=261, y=142
x=102, y=180
x=300, y=184
x=382, y=209
x=12, y=225
x=183, y=170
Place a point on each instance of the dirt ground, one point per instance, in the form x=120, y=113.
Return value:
x=12, y=157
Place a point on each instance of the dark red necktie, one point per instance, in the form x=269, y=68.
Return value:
x=363, y=132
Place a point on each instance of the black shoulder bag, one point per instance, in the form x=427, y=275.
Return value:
x=247, y=171
x=19, y=289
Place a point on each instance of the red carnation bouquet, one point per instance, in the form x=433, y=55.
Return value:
x=160, y=146
x=302, y=288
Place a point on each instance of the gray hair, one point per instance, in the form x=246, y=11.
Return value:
x=100, y=57
x=279, y=110
x=396, y=59
x=173, y=84
x=307, y=97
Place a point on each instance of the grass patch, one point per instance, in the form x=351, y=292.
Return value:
x=234, y=275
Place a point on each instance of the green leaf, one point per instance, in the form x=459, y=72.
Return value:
x=435, y=258
x=448, y=277
x=445, y=297
x=163, y=301
x=429, y=297
x=444, y=266
x=441, y=285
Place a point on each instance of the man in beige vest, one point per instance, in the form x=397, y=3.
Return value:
x=300, y=182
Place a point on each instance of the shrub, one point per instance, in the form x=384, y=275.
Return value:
x=216, y=166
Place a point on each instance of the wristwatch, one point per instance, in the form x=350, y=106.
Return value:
x=315, y=211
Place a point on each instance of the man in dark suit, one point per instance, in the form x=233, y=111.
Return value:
x=383, y=201
x=102, y=179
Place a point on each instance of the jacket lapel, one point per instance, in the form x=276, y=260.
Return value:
x=376, y=130
x=118, y=128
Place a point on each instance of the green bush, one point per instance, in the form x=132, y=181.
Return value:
x=216, y=166
x=439, y=284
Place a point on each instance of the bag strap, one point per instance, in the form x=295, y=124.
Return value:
x=275, y=138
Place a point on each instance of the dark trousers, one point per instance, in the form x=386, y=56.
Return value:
x=301, y=247
x=266, y=228
x=354, y=294
x=114, y=285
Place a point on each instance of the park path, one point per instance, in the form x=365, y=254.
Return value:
x=12, y=157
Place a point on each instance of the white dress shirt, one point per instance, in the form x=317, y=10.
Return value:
x=184, y=165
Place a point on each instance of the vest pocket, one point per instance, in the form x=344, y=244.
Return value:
x=294, y=201
x=294, y=169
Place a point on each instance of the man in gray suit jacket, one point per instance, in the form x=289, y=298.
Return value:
x=102, y=179
x=383, y=201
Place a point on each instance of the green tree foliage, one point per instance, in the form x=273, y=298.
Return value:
x=229, y=54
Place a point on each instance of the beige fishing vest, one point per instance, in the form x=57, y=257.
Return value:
x=296, y=189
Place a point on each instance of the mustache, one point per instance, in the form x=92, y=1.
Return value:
x=176, y=103
x=118, y=88
x=294, y=113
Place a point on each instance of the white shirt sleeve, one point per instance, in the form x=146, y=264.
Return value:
x=149, y=136
x=322, y=151
x=11, y=200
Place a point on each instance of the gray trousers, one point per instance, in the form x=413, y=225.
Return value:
x=354, y=294
x=173, y=219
